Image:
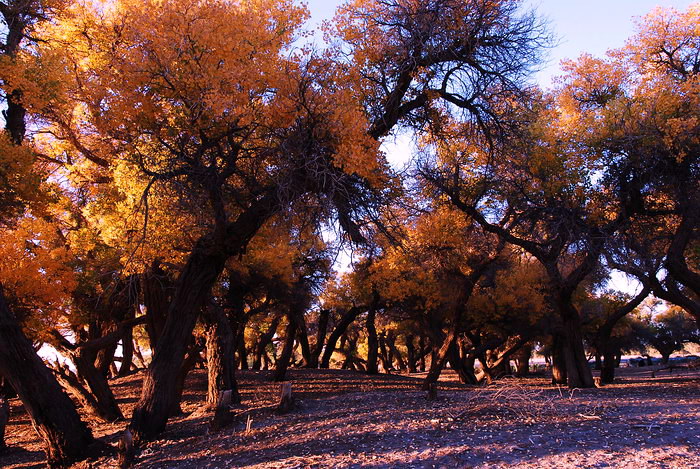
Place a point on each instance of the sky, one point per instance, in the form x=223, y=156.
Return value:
x=581, y=26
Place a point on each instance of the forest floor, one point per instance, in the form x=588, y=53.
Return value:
x=349, y=420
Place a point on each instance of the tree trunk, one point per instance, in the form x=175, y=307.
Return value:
x=221, y=364
x=424, y=350
x=339, y=330
x=323, y=316
x=187, y=365
x=372, y=343
x=558, y=360
x=127, y=353
x=139, y=355
x=284, y=359
x=411, y=354
x=51, y=411
x=105, y=356
x=522, y=360
x=4, y=419
x=84, y=360
x=302, y=336
x=160, y=382
x=395, y=352
x=578, y=373
x=263, y=342
x=463, y=367
x=384, y=353
x=157, y=288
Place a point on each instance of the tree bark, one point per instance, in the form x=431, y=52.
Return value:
x=53, y=414
x=286, y=356
x=558, y=360
x=264, y=340
x=4, y=419
x=221, y=364
x=303, y=336
x=157, y=288
x=127, y=353
x=522, y=360
x=411, y=354
x=464, y=367
x=323, y=317
x=345, y=321
x=372, y=343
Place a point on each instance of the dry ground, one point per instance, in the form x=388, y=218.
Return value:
x=346, y=419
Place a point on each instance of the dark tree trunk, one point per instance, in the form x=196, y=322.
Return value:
x=598, y=360
x=286, y=356
x=603, y=339
x=345, y=321
x=372, y=343
x=411, y=354
x=191, y=359
x=323, y=316
x=105, y=357
x=425, y=350
x=522, y=360
x=157, y=288
x=127, y=353
x=384, y=353
x=558, y=360
x=395, y=352
x=607, y=373
x=221, y=364
x=4, y=419
x=464, y=367
x=139, y=355
x=84, y=360
x=263, y=342
x=578, y=373
x=159, y=393
x=303, y=336
x=53, y=414
x=242, y=353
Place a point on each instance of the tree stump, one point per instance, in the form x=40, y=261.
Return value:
x=286, y=402
x=432, y=391
x=222, y=414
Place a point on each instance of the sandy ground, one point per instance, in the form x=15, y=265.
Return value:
x=348, y=420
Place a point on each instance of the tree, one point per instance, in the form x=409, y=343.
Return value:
x=639, y=112
x=667, y=331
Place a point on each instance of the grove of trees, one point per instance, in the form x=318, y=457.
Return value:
x=190, y=182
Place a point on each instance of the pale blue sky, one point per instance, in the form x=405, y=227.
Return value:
x=592, y=26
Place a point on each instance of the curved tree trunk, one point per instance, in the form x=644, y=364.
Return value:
x=263, y=342
x=345, y=321
x=108, y=408
x=287, y=351
x=53, y=414
x=303, y=337
x=322, y=327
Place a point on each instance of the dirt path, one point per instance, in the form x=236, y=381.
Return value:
x=344, y=419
